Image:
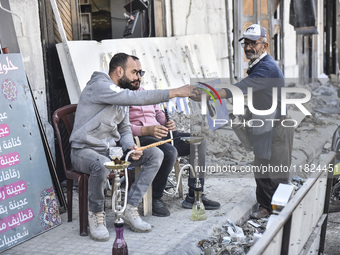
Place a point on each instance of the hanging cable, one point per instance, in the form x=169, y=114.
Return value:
x=21, y=22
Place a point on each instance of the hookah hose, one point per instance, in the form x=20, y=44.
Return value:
x=179, y=178
x=126, y=169
x=172, y=143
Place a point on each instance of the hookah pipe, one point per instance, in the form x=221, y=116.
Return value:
x=168, y=119
x=172, y=143
x=119, y=246
x=119, y=212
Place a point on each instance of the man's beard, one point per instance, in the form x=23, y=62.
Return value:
x=252, y=54
x=125, y=83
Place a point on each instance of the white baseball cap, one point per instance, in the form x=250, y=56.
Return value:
x=254, y=32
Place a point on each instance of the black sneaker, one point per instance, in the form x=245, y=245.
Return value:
x=188, y=202
x=159, y=209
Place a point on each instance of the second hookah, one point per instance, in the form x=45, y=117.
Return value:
x=198, y=209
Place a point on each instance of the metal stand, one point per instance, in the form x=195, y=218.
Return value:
x=117, y=194
x=198, y=210
x=119, y=245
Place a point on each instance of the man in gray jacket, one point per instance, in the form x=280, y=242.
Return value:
x=102, y=122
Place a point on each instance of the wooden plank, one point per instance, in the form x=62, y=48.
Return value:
x=275, y=246
x=307, y=215
x=248, y=7
x=64, y=43
x=264, y=7
x=159, y=19
x=312, y=245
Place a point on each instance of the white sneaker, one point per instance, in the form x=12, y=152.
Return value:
x=97, y=223
x=131, y=217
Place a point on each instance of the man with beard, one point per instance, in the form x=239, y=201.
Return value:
x=102, y=122
x=149, y=123
x=272, y=142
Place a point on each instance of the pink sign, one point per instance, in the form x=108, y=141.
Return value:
x=9, y=159
x=4, y=130
x=12, y=190
x=16, y=219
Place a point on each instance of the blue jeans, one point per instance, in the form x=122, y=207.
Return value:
x=91, y=162
x=171, y=153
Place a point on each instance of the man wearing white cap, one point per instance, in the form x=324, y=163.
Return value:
x=272, y=142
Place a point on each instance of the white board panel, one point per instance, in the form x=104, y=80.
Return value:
x=169, y=62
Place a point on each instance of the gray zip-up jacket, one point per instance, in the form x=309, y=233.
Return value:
x=102, y=116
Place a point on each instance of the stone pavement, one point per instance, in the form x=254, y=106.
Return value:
x=176, y=234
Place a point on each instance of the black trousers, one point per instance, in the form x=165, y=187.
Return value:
x=180, y=148
x=276, y=170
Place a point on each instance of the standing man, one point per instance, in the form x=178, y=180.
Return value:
x=102, y=122
x=272, y=142
x=149, y=123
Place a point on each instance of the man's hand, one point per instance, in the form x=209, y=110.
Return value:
x=183, y=91
x=136, y=154
x=170, y=125
x=157, y=131
x=196, y=94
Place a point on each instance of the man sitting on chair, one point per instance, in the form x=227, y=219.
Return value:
x=149, y=123
x=102, y=122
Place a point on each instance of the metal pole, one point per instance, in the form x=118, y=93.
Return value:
x=334, y=37
x=326, y=209
x=230, y=56
x=328, y=36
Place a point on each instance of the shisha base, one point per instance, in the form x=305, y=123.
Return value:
x=119, y=246
x=198, y=209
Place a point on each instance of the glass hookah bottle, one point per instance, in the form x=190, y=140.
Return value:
x=119, y=246
x=198, y=209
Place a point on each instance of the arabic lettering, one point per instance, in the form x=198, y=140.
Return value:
x=13, y=142
x=8, y=241
x=16, y=219
x=9, y=159
x=4, y=130
x=17, y=205
x=3, y=209
x=3, y=116
x=12, y=189
x=9, y=67
x=9, y=174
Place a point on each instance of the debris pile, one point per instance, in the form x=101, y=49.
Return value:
x=232, y=239
x=223, y=146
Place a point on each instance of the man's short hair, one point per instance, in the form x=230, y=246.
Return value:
x=263, y=39
x=118, y=59
x=134, y=57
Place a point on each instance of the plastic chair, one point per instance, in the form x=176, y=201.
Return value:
x=63, y=120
